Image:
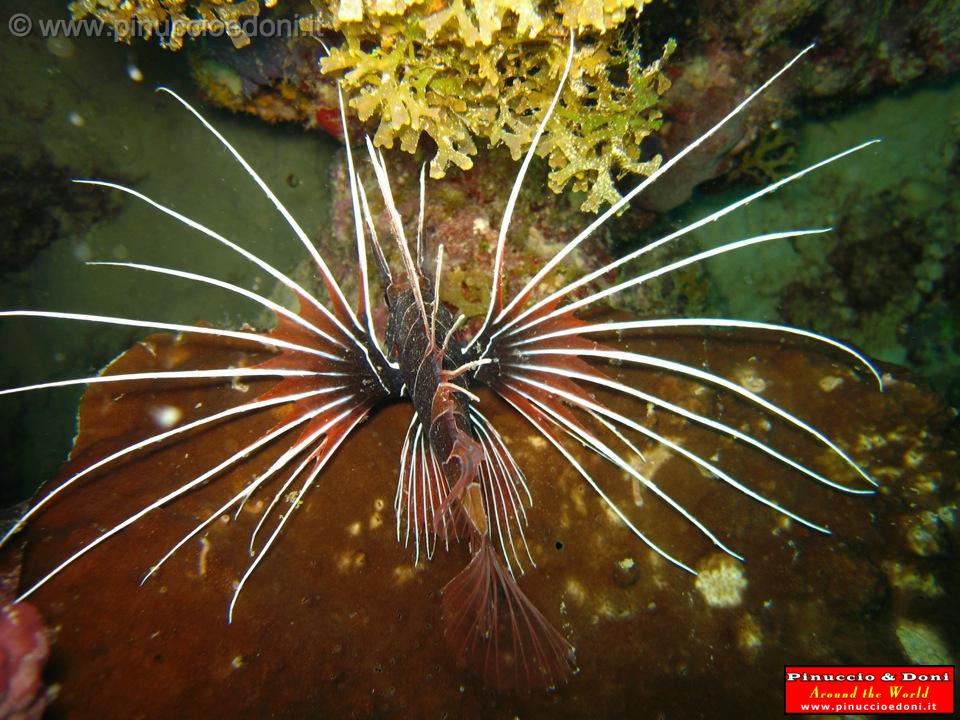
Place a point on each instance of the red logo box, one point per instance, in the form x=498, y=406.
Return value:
x=869, y=689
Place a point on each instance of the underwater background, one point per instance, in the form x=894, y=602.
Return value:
x=886, y=280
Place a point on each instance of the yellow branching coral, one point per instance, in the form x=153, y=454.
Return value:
x=172, y=19
x=767, y=159
x=459, y=70
x=462, y=69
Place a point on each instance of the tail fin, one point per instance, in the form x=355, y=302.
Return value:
x=495, y=629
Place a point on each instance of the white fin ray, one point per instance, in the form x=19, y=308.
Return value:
x=489, y=485
x=307, y=443
x=695, y=417
x=498, y=439
x=426, y=495
x=398, y=500
x=671, y=323
x=250, y=295
x=154, y=439
x=504, y=492
x=711, y=218
x=372, y=229
x=499, y=450
x=713, y=379
x=228, y=373
x=497, y=504
x=412, y=496
x=182, y=490
x=608, y=453
x=557, y=420
x=421, y=490
x=420, y=216
x=172, y=327
x=676, y=448
x=443, y=489
x=307, y=483
x=396, y=222
x=283, y=279
x=497, y=281
x=663, y=270
x=643, y=185
x=240, y=498
x=494, y=529
x=436, y=293
x=291, y=221
x=365, y=305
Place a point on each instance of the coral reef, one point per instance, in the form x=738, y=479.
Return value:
x=339, y=623
x=462, y=214
x=862, y=48
x=454, y=71
x=769, y=158
x=886, y=277
x=24, y=645
x=173, y=20
x=458, y=71
x=490, y=71
x=865, y=45
x=23, y=653
x=888, y=280
x=39, y=204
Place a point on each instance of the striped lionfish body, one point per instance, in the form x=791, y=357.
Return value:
x=458, y=482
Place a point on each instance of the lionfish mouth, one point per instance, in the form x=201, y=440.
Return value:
x=333, y=369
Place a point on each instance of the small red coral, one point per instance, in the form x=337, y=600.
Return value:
x=23, y=653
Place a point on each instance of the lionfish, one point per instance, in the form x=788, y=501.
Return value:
x=457, y=480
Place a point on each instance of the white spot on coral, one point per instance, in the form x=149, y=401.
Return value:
x=925, y=534
x=351, y=560
x=907, y=579
x=166, y=416
x=255, y=507
x=202, y=559
x=830, y=383
x=912, y=458
x=480, y=225
x=922, y=644
x=749, y=634
x=948, y=515
x=866, y=443
x=60, y=46
x=721, y=581
x=751, y=381
x=536, y=442
x=575, y=591
x=402, y=574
